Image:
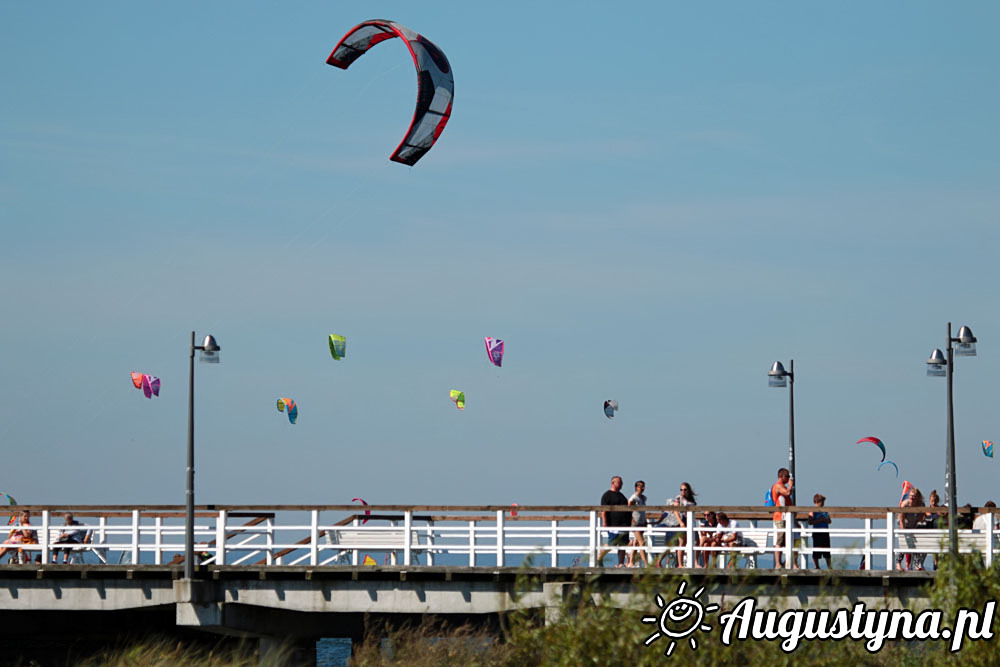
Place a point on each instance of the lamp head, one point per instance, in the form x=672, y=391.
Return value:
x=210, y=350
x=966, y=346
x=936, y=364
x=776, y=376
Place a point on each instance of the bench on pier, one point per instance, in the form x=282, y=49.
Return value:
x=754, y=544
x=935, y=540
x=389, y=540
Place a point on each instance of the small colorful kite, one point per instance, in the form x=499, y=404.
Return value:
x=494, y=348
x=888, y=463
x=988, y=448
x=367, y=512
x=150, y=385
x=610, y=407
x=875, y=441
x=289, y=405
x=907, y=487
x=10, y=501
x=458, y=398
x=369, y=560
x=338, y=347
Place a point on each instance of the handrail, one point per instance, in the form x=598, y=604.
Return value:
x=491, y=535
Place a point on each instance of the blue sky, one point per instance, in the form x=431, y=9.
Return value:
x=650, y=203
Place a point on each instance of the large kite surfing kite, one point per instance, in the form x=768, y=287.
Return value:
x=150, y=385
x=338, y=346
x=494, y=348
x=288, y=405
x=435, y=84
x=875, y=441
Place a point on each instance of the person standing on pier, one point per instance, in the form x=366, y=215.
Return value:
x=622, y=520
x=781, y=493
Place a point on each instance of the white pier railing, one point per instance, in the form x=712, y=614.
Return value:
x=469, y=536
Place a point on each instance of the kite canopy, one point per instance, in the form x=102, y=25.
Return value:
x=287, y=404
x=150, y=385
x=494, y=348
x=875, y=441
x=367, y=512
x=988, y=448
x=458, y=398
x=610, y=407
x=888, y=463
x=338, y=346
x=435, y=83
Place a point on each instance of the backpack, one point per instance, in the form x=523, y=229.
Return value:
x=768, y=500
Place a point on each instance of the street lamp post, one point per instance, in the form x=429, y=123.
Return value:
x=209, y=353
x=963, y=346
x=776, y=378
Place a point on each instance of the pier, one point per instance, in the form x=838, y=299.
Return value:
x=294, y=574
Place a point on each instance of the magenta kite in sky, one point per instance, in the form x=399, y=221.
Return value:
x=494, y=348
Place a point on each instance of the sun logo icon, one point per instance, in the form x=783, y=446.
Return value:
x=680, y=618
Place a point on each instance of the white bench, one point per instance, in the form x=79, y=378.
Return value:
x=355, y=538
x=935, y=540
x=754, y=543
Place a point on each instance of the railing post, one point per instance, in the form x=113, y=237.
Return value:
x=789, y=540
x=868, y=543
x=500, y=538
x=689, y=530
x=220, y=538
x=554, y=543
x=314, y=537
x=472, y=544
x=135, y=537
x=269, y=541
x=890, y=541
x=158, y=541
x=988, y=554
x=595, y=539
x=430, y=542
x=354, y=552
x=407, y=546
x=43, y=539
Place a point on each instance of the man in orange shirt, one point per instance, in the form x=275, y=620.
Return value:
x=781, y=493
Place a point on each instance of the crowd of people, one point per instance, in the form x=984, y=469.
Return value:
x=717, y=531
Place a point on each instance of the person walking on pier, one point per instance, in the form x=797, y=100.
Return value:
x=610, y=519
x=638, y=499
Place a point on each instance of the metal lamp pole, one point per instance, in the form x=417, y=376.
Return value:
x=950, y=465
x=777, y=376
x=210, y=348
x=966, y=348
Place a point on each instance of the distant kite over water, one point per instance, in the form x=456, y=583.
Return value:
x=288, y=405
x=150, y=385
x=610, y=408
x=435, y=82
x=888, y=463
x=988, y=448
x=338, y=346
x=458, y=398
x=494, y=348
x=875, y=441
